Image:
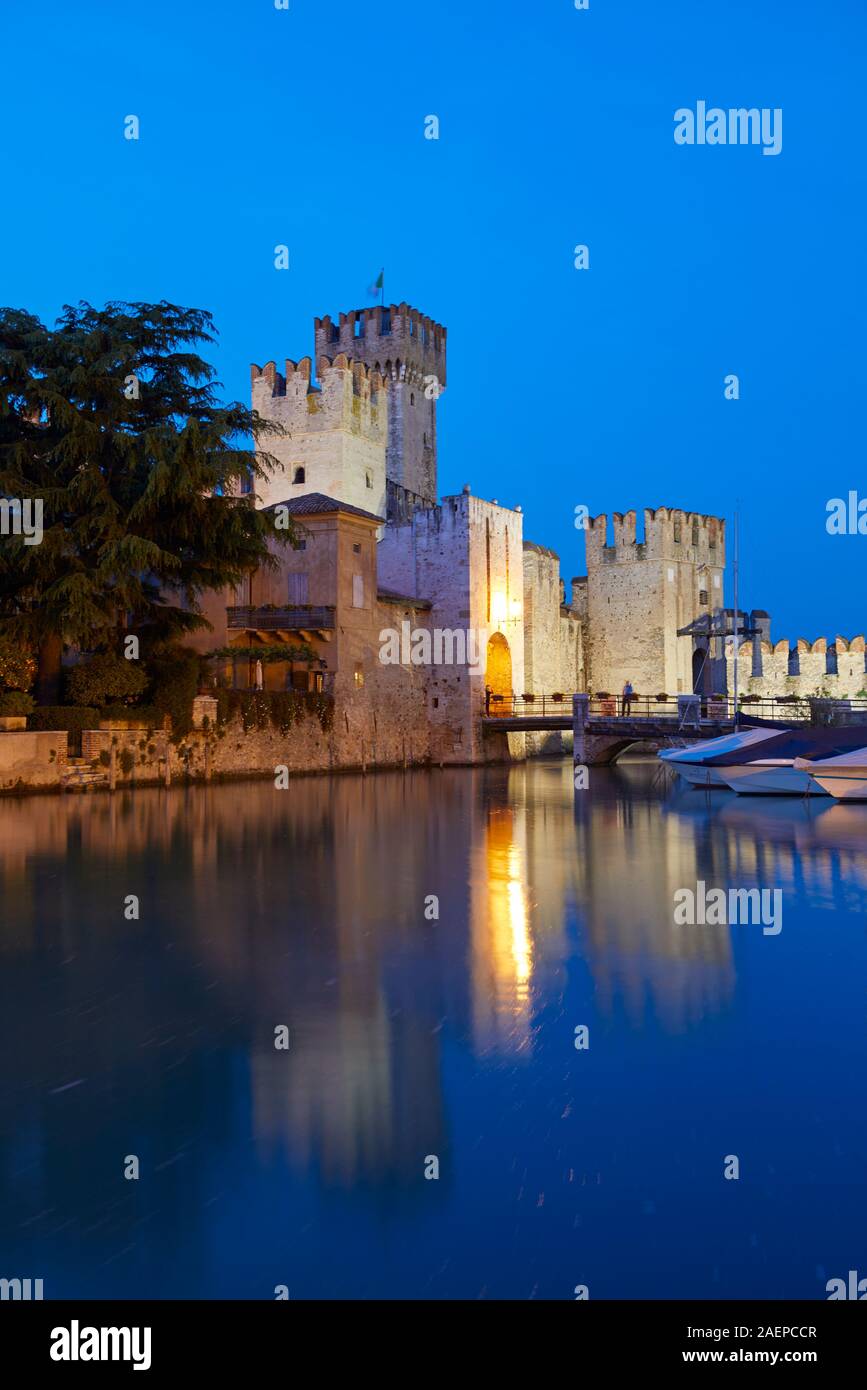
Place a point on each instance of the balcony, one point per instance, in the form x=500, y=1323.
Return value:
x=303, y=617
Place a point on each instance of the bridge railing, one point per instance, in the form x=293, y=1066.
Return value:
x=780, y=708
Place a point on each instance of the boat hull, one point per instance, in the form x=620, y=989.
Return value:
x=843, y=786
x=699, y=776
x=753, y=779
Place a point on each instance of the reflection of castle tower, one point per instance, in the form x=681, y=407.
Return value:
x=635, y=950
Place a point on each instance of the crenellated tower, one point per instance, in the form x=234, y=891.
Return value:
x=408, y=350
x=336, y=431
x=640, y=593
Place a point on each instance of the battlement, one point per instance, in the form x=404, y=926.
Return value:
x=350, y=396
x=398, y=341
x=669, y=534
x=793, y=650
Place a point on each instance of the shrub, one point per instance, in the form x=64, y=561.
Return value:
x=280, y=708
x=127, y=761
x=69, y=717
x=104, y=677
x=142, y=714
x=15, y=702
x=175, y=683
x=17, y=666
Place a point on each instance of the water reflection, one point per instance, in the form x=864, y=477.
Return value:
x=409, y=1037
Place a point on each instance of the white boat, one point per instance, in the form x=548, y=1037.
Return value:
x=691, y=762
x=770, y=777
x=843, y=777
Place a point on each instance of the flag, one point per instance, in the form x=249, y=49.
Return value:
x=373, y=290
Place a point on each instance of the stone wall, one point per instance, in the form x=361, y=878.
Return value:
x=466, y=558
x=32, y=759
x=801, y=669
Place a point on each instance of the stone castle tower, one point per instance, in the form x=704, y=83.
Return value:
x=336, y=431
x=408, y=350
x=640, y=593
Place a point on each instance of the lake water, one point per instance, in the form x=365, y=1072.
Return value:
x=412, y=1039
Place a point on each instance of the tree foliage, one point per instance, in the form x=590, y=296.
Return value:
x=106, y=676
x=17, y=665
x=112, y=420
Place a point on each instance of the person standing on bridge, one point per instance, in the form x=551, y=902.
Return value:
x=627, y=697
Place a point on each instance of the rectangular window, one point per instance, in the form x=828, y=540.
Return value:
x=297, y=585
x=357, y=591
x=702, y=596
x=359, y=675
x=385, y=321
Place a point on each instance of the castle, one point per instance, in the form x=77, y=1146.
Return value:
x=380, y=553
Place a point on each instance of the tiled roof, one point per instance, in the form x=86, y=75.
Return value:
x=317, y=504
x=392, y=596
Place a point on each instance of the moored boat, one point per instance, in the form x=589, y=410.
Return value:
x=697, y=763
x=776, y=770
x=844, y=777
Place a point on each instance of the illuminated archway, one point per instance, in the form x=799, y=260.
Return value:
x=498, y=666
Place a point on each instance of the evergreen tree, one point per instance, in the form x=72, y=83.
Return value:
x=112, y=420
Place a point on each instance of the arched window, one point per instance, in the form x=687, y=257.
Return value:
x=298, y=475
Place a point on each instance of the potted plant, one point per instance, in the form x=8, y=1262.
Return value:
x=661, y=698
x=558, y=696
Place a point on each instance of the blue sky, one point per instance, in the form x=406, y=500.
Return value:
x=603, y=387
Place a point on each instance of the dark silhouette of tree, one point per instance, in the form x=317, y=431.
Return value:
x=147, y=482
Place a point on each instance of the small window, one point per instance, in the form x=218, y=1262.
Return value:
x=368, y=478
x=385, y=321
x=359, y=327
x=357, y=591
x=412, y=397
x=356, y=549
x=299, y=475
x=411, y=329
x=297, y=588
x=702, y=596
x=359, y=675
x=677, y=533
x=695, y=533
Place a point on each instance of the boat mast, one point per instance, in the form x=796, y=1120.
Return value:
x=737, y=617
